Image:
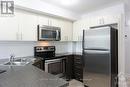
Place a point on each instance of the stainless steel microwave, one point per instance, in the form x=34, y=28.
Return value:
x=49, y=33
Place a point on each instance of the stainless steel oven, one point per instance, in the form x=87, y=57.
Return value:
x=49, y=33
x=55, y=66
x=52, y=65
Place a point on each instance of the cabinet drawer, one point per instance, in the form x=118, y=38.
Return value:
x=77, y=56
x=78, y=73
x=39, y=64
x=77, y=61
x=78, y=66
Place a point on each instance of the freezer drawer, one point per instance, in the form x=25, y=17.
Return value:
x=99, y=62
x=97, y=68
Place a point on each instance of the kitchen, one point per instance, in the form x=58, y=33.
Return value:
x=20, y=33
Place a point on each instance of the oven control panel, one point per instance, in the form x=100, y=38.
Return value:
x=45, y=52
x=44, y=48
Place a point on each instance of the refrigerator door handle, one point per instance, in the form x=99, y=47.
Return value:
x=97, y=49
x=83, y=41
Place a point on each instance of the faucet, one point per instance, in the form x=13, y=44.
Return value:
x=12, y=58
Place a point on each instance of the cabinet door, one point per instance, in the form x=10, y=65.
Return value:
x=78, y=67
x=39, y=64
x=54, y=22
x=9, y=27
x=69, y=67
x=78, y=27
x=28, y=26
x=110, y=19
x=66, y=30
x=104, y=20
x=93, y=21
x=43, y=20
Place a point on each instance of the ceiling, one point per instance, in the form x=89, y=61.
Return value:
x=83, y=6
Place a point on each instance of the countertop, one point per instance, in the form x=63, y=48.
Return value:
x=60, y=55
x=67, y=54
x=28, y=76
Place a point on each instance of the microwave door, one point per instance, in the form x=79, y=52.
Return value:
x=43, y=34
x=47, y=34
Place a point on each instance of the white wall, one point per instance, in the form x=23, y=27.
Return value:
x=127, y=40
x=127, y=50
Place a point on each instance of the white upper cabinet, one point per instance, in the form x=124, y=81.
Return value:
x=28, y=26
x=78, y=28
x=110, y=19
x=104, y=20
x=86, y=23
x=43, y=20
x=9, y=27
x=20, y=27
x=54, y=22
x=66, y=30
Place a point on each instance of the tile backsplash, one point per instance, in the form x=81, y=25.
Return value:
x=26, y=48
x=61, y=47
x=18, y=48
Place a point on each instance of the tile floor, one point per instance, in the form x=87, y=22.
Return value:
x=75, y=83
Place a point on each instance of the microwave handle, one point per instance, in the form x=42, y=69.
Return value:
x=57, y=34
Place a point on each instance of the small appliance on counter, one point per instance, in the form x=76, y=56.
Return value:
x=55, y=66
x=49, y=33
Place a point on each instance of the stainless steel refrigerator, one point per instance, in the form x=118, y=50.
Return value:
x=100, y=57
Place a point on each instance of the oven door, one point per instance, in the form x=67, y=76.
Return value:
x=55, y=67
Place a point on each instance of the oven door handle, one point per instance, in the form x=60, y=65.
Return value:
x=53, y=61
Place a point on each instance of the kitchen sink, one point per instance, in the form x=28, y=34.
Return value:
x=16, y=63
x=2, y=71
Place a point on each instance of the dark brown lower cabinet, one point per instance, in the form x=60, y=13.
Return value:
x=78, y=68
x=69, y=67
x=74, y=67
x=39, y=64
